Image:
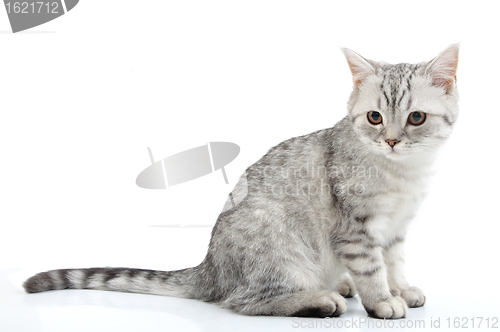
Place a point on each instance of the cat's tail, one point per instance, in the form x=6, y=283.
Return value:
x=172, y=283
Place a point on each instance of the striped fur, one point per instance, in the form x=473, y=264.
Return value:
x=320, y=216
x=172, y=283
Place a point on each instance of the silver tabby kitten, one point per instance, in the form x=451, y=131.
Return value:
x=321, y=216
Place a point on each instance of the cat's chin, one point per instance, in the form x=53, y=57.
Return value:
x=394, y=155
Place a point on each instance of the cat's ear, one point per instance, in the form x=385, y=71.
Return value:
x=360, y=67
x=443, y=68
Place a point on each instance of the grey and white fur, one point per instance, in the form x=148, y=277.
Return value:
x=322, y=216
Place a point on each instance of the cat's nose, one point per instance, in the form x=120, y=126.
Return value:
x=392, y=142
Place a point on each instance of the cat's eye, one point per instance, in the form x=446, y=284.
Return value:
x=416, y=118
x=374, y=117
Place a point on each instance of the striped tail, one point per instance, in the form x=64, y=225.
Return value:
x=172, y=283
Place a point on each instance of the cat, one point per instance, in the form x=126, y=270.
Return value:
x=322, y=216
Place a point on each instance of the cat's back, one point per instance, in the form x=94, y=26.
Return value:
x=306, y=150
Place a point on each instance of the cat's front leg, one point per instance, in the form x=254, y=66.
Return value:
x=364, y=259
x=394, y=260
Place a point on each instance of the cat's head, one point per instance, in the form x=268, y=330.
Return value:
x=404, y=109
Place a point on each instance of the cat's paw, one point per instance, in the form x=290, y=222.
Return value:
x=346, y=287
x=413, y=296
x=329, y=305
x=393, y=308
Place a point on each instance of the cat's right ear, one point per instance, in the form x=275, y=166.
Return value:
x=360, y=67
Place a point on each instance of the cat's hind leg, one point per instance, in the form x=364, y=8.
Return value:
x=306, y=303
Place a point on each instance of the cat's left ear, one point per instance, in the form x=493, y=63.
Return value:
x=443, y=68
x=360, y=67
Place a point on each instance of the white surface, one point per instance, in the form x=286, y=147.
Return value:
x=84, y=95
x=84, y=310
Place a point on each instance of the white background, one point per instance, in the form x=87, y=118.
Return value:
x=83, y=96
